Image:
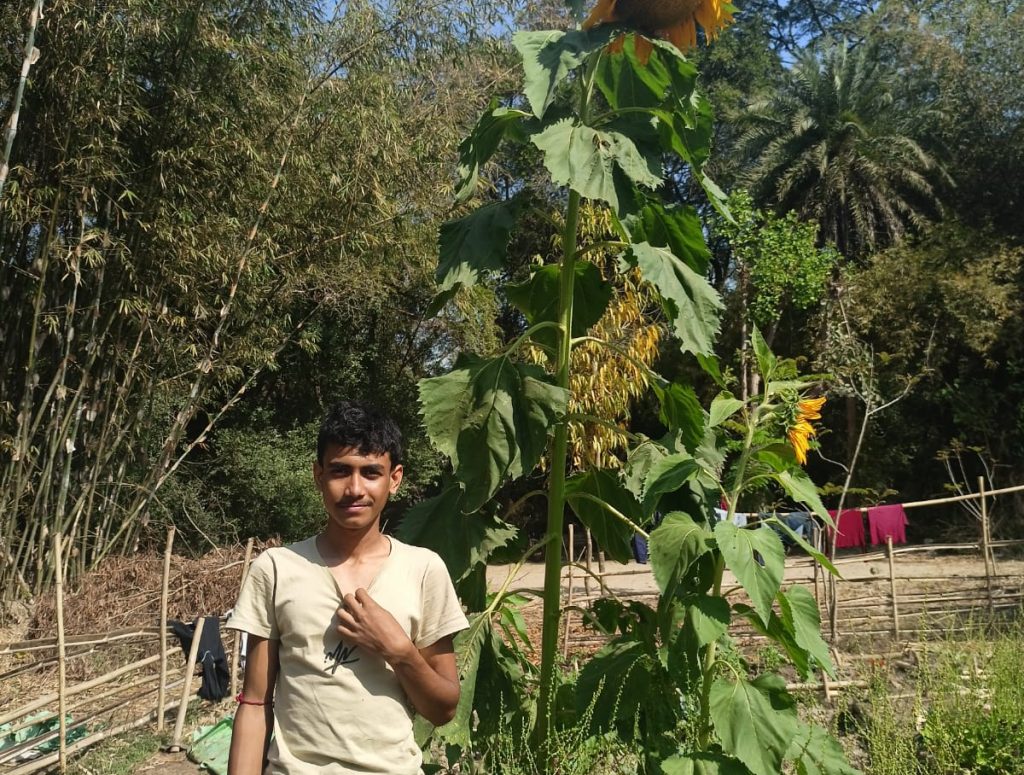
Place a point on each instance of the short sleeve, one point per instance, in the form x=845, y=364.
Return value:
x=254, y=612
x=442, y=611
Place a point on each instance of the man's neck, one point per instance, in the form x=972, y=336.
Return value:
x=337, y=545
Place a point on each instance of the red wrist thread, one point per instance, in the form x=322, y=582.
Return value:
x=240, y=699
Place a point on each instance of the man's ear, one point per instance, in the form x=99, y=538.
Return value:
x=396, y=478
x=318, y=472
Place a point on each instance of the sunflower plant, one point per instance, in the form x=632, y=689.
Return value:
x=601, y=108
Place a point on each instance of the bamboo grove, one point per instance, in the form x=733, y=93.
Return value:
x=193, y=190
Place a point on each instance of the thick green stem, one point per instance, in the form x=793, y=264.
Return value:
x=556, y=483
x=708, y=663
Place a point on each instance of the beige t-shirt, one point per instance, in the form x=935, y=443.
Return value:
x=339, y=708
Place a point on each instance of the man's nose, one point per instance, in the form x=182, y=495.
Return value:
x=355, y=486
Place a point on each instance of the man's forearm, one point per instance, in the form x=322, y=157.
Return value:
x=434, y=696
x=250, y=738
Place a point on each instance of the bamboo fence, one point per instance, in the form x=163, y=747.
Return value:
x=895, y=602
x=89, y=711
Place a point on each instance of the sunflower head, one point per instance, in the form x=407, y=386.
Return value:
x=673, y=20
x=799, y=428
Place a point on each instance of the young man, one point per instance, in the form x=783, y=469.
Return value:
x=350, y=631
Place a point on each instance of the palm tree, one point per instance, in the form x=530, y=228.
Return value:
x=835, y=144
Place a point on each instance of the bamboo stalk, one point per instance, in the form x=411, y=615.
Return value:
x=85, y=742
x=237, y=647
x=186, y=691
x=62, y=702
x=77, y=688
x=892, y=589
x=163, y=630
x=91, y=639
x=26, y=64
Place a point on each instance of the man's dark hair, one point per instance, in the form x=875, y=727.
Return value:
x=362, y=427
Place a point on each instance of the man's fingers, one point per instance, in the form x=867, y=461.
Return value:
x=364, y=597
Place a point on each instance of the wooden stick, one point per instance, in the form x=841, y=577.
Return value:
x=590, y=561
x=236, y=648
x=62, y=702
x=77, y=688
x=90, y=639
x=186, y=690
x=166, y=580
x=984, y=542
x=892, y=589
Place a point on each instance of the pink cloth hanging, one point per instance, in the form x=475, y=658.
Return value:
x=886, y=521
x=851, y=528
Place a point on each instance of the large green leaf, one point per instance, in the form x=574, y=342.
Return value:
x=742, y=549
x=584, y=159
x=614, y=687
x=612, y=534
x=774, y=629
x=475, y=243
x=468, y=645
x=816, y=752
x=667, y=475
x=798, y=539
x=463, y=541
x=688, y=129
x=799, y=487
x=681, y=411
x=638, y=465
x=755, y=721
x=674, y=545
x=550, y=55
x=691, y=303
x=537, y=299
x=708, y=617
x=723, y=406
x=766, y=360
x=492, y=418
x=477, y=149
x=626, y=83
x=702, y=764
x=676, y=227
x=799, y=613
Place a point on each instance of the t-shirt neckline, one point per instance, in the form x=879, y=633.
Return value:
x=392, y=544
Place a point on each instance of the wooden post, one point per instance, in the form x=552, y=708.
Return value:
x=186, y=687
x=568, y=604
x=892, y=588
x=161, y=695
x=62, y=700
x=986, y=549
x=590, y=562
x=237, y=648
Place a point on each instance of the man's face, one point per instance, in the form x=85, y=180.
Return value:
x=355, y=487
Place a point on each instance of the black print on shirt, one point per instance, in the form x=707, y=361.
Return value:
x=341, y=655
